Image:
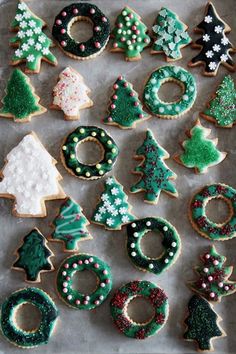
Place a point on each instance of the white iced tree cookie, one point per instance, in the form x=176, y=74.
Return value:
x=30, y=177
x=71, y=94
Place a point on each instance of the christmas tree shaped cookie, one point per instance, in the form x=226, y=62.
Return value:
x=199, y=151
x=70, y=226
x=213, y=280
x=170, y=35
x=113, y=211
x=71, y=94
x=20, y=102
x=125, y=108
x=221, y=109
x=31, y=43
x=130, y=35
x=215, y=46
x=202, y=323
x=30, y=178
x=34, y=256
x=155, y=175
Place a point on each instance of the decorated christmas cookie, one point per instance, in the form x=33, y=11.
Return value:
x=170, y=110
x=9, y=324
x=33, y=46
x=147, y=290
x=113, y=211
x=71, y=94
x=155, y=176
x=33, y=257
x=199, y=219
x=202, y=324
x=125, y=108
x=81, y=12
x=30, y=178
x=214, y=44
x=221, y=109
x=199, y=151
x=75, y=298
x=171, y=244
x=83, y=134
x=70, y=226
x=213, y=280
x=20, y=102
x=130, y=35
x=170, y=35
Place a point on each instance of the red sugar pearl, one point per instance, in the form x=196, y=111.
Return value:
x=96, y=265
x=64, y=13
x=132, y=94
x=75, y=11
x=66, y=266
x=146, y=40
x=97, y=28
x=80, y=262
x=58, y=22
x=92, y=11
x=82, y=47
x=131, y=15
x=104, y=19
x=109, y=119
x=107, y=281
x=115, y=86
x=113, y=106
x=96, y=302
x=63, y=43
x=63, y=30
x=126, y=84
x=115, y=97
x=122, y=39
x=136, y=103
x=134, y=28
x=120, y=25
x=120, y=77
x=141, y=115
x=115, y=45
x=137, y=32
x=97, y=45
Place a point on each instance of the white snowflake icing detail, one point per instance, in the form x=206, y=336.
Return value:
x=102, y=210
x=32, y=23
x=110, y=221
x=23, y=24
x=224, y=41
x=37, y=30
x=123, y=210
x=45, y=51
x=125, y=219
x=38, y=46
x=30, y=58
x=110, y=208
x=29, y=33
x=208, y=19
x=107, y=203
x=216, y=47
x=21, y=34
x=209, y=54
x=31, y=41
x=118, y=201
x=114, y=212
x=97, y=217
x=42, y=39
x=22, y=6
x=114, y=191
x=218, y=29
x=18, y=53
x=206, y=38
x=26, y=14
x=224, y=57
x=19, y=17
x=25, y=47
x=212, y=65
x=109, y=181
x=104, y=197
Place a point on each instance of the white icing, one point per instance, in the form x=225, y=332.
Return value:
x=70, y=93
x=30, y=176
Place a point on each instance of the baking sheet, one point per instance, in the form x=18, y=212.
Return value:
x=93, y=331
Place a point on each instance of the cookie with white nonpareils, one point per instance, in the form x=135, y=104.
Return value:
x=30, y=178
x=71, y=94
x=33, y=46
x=215, y=46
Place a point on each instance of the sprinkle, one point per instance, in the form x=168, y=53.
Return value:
x=215, y=262
x=64, y=147
x=65, y=290
x=87, y=174
x=204, y=285
x=226, y=287
x=75, y=139
x=133, y=224
x=63, y=44
x=92, y=11
x=132, y=245
x=65, y=284
x=58, y=22
x=207, y=256
x=66, y=265
x=87, y=297
x=205, y=270
x=165, y=228
x=105, y=272
x=210, y=278
x=64, y=273
x=77, y=302
x=81, y=130
x=212, y=295
x=136, y=234
x=91, y=259
x=80, y=262
x=166, y=260
x=96, y=265
x=75, y=11
x=220, y=285
x=101, y=297
x=69, y=297
x=86, y=261
x=64, y=13
x=148, y=223
x=78, y=169
x=171, y=254
x=151, y=266
x=102, y=285
x=133, y=254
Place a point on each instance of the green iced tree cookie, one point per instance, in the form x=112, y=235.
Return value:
x=34, y=256
x=155, y=175
x=113, y=211
x=221, y=110
x=202, y=323
x=199, y=151
x=130, y=35
x=32, y=44
x=20, y=102
x=70, y=225
x=170, y=35
x=125, y=109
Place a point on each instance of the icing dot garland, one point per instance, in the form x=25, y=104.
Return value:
x=47, y=308
x=75, y=298
x=127, y=293
x=83, y=134
x=200, y=221
x=76, y=12
x=175, y=74
x=171, y=244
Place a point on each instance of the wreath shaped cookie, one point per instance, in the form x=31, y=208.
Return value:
x=127, y=293
x=49, y=314
x=83, y=134
x=200, y=221
x=75, y=298
x=81, y=12
x=171, y=244
x=170, y=110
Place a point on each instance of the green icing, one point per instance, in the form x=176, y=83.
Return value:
x=130, y=34
x=213, y=277
x=75, y=298
x=70, y=225
x=202, y=323
x=113, y=211
x=171, y=244
x=200, y=152
x=222, y=108
x=33, y=44
x=171, y=34
x=49, y=314
x=125, y=108
x=128, y=292
x=155, y=175
x=200, y=221
x=20, y=101
x=170, y=109
x=33, y=256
